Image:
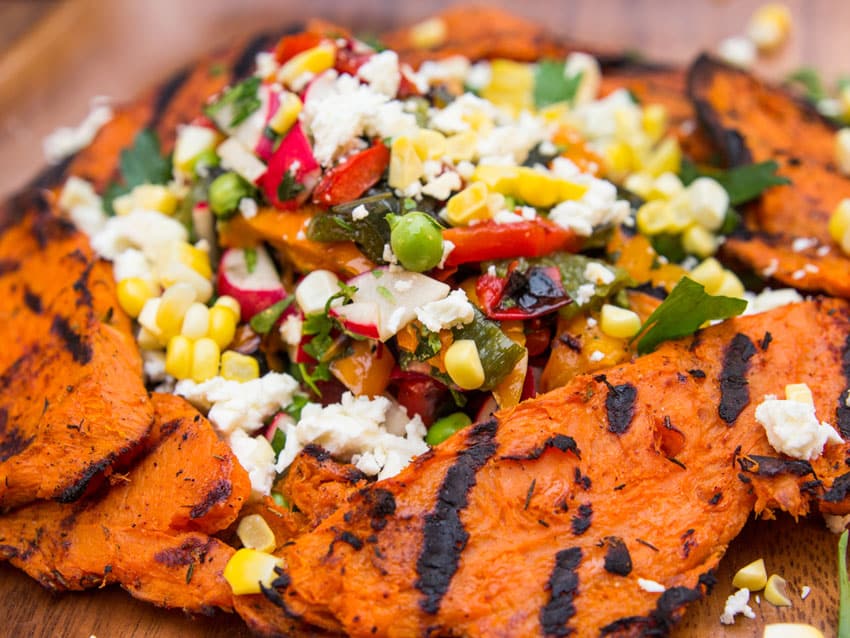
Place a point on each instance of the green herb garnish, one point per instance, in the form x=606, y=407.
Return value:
x=843, y=588
x=321, y=372
x=743, y=183
x=551, y=85
x=250, y=259
x=289, y=187
x=809, y=81
x=294, y=408
x=141, y=163
x=278, y=441
x=686, y=308
x=265, y=320
x=239, y=102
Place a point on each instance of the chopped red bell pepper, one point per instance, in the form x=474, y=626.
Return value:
x=352, y=178
x=489, y=240
x=291, y=45
x=291, y=171
x=492, y=289
x=423, y=396
x=347, y=61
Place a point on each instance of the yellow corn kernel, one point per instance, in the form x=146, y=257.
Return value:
x=658, y=216
x=511, y=85
x=664, y=158
x=730, y=286
x=537, y=189
x=709, y=273
x=226, y=301
x=463, y=364
x=618, y=322
x=499, y=179
x=696, y=240
x=205, y=359
x=178, y=357
x=461, y=146
x=429, y=144
x=174, y=303
x=468, y=204
x=554, y=112
x=133, y=293
x=176, y=272
x=775, y=591
x=123, y=205
x=222, y=326
x=842, y=150
x=769, y=26
x=248, y=568
x=147, y=340
x=154, y=197
x=619, y=159
x=197, y=259
x=640, y=184
x=627, y=123
x=791, y=630
x=405, y=165
x=255, y=533
x=287, y=113
x=799, y=392
x=147, y=317
x=666, y=186
x=752, y=576
x=428, y=34
x=844, y=103
x=654, y=121
x=839, y=225
x=239, y=367
x=319, y=58
x=196, y=321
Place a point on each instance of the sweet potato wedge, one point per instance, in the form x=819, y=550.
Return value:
x=751, y=121
x=150, y=531
x=542, y=520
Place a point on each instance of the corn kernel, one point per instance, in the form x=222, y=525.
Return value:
x=147, y=317
x=239, y=367
x=500, y=179
x=709, y=273
x=791, y=630
x=178, y=357
x=123, y=205
x=619, y=159
x=752, y=576
x=618, y=322
x=205, y=359
x=222, y=326
x=664, y=158
x=197, y=259
x=511, y=85
x=537, y=189
x=429, y=144
x=405, y=165
x=176, y=272
x=319, y=58
x=799, y=392
x=463, y=364
x=730, y=286
x=468, y=204
x=461, y=146
x=627, y=123
x=147, y=340
x=196, y=321
x=769, y=26
x=248, y=568
x=154, y=197
x=775, y=591
x=174, y=303
x=133, y=294
x=255, y=533
x=226, y=301
x=666, y=186
x=654, y=121
x=428, y=34
x=839, y=225
x=696, y=240
x=640, y=184
x=708, y=202
x=191, y=141
x=658, y=216
x=286, y=114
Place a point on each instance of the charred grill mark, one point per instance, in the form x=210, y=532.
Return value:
x=8, y=266
x=581, y=479
x=74, y=344
x=765, y=341
x=696, y=373
x=573, y=343
x=33, y=301
x=444, y=537
x=76, y=489
x=734, y=388
x=562, y=587
x=560, y=442
x=317, y=452
x=12, y=442
x=839, y=490
x=580, y=523
x=81, y=287
x=380, y=504
x=842, y=412
x=190, y=551
x=169, y=427
x=772, y=466
x=620, y=405
x=617, y=558
x=281, y=583
x=166, y=94
x=52, y=175
x=219, y=492
x=348, y=538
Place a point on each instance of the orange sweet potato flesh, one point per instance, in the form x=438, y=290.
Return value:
x=150, y=532
x=751, y=121
x=542, y=520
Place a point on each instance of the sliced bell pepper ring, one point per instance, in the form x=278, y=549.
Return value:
x=352, y=178
x=492, y=289
x=291, y=45
x=489, y=240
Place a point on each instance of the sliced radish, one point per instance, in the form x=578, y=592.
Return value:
x=264, y=147
x=360, y=318
x=292, y=160
x=312, y=292
x=256, y=290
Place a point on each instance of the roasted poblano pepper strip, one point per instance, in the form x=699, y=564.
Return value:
x=370, y=233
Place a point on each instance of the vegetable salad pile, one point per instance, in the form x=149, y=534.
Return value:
x=344, y=251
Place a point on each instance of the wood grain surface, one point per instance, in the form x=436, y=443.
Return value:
x=54, y=56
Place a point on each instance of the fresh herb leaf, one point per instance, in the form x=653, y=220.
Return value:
x=409, y=203
x=265, y=320
x=141, y=163
x=686, y=308
x=298, y=403
x=237, y=103
x=552, y=86
x=386, y=294
x=289, y=187
x=743, y=183
x=278, y=441
x=809, y=81
x=370, y=233
x=843, y=588
x=250, y=259
x=321, y=372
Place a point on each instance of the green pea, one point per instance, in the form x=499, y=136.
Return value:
x=225, y=192
x=416, y=240
x=207, y=159
x=445, y=427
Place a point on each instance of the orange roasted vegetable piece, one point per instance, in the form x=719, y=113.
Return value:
x=150, y=531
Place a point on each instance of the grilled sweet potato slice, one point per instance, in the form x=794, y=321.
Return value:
x=542, y=520
x=150, y=531
x=751, y=121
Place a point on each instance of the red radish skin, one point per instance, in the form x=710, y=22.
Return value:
x=254, y=291
x=295, y=150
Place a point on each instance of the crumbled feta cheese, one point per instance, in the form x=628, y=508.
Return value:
x=651, y=586
x=244, y=406
x=598, y=120
x=382, y=73
x=598, y=206
x=769, y=299
x=153, y=365
x=793, y=429
x=133, y=263
x=771, y=268
x=67, y=140
x=798, y=274
x=528, y=213
x=598, y=274
x=356, y=430
x=146, y=230
x=805, y=591
x=596, y=355
x=454, y=310
x=248, y=207
x=591, y=322
x=256, y=456
x=803, y=243
x=737, y=604
x=584, y=294
x=822, y=251
x=441, y=187
x=454, y=117
x=359, y=212
x=291, y=330
x=266, y=63
x=388, y=255
x=479, y=75
x=737, y=51
x=83, y=205
x=507, y=217
x=455, y=67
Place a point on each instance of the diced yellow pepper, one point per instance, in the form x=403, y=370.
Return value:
x=286, y=114
x=498, y=178
x=429, y=144
x=255, y=533
x=239, y=367
x=730, y=286
x=319, y=58
x=248, y=568
x=405, y=164
x=511, y=85
x=463, y=364
x=154, y=197
x=462, y=146
x=619, y=159
x=469, y=204
x=654, y=121
x=752, y=576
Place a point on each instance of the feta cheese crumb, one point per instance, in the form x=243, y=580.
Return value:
x=382, y=73
x=146, y=230
x=737, y=51
x=651, y=586
x=448, y=247
x=256, y=455
x=359, y=212
x=290, y=330
x=585, y=294
x=248, y=207
x=452, y=311
x=805, y=591
x=770, y=299
x=596, y=355
x=737, y=604
x=803, y=243
x=67, y=140
x=389, y=255
x=591, y=322
x=441, y=186
x=793, y=429
x=83, y=205
x=598, y=274
x=771, y=268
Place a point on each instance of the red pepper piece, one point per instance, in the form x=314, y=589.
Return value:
x=353, y=177
x=489, y=240
x=291, y=45
x=347, y=61
x=491, y=290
